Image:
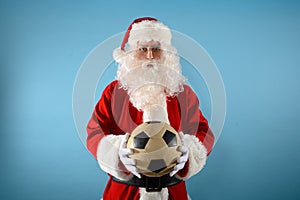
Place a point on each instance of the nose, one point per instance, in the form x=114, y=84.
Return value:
x=149, y=54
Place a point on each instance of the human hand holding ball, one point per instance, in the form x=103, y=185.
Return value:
x=153, y=149
x=124, y=153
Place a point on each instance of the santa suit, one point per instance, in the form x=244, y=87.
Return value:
x=114, y=115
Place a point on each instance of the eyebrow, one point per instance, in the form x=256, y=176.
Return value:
x=146, y=46
x=142, y=46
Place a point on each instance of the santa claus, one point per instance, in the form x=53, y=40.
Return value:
x=149, y=87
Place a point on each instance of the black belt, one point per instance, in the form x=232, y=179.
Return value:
x=152, y=184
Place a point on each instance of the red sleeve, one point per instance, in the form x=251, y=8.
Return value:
x=100, y=122
x=194, y=123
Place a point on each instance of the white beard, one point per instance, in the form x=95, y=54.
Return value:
x=149, y=82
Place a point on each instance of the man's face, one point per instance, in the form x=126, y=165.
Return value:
x=149, y=72
x=148, y=50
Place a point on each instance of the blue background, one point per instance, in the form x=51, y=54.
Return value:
x=255, y=44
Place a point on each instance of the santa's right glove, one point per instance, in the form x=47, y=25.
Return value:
x=128, y=162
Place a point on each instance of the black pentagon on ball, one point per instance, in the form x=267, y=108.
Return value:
x=140, y=140
x=157, y=165
x=170, y=138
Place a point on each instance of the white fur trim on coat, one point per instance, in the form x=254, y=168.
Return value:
x=197, y=155
x=162, y=195
x=108, y=156
x=156, y=113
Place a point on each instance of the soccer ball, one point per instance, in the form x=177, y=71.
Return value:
x=154, y=146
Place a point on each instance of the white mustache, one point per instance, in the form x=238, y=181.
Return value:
x=150, y=64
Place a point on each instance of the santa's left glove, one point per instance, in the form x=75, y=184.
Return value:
x=128, y=162
x=183, y=158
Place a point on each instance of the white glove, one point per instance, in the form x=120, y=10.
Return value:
x=129, y=163
x=182, y=159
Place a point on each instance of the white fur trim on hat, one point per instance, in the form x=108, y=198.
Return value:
x=108, y=156
x=118, y=54
x=197, y=155
x=149, y=30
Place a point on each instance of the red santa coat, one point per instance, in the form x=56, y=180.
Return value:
x=114, y=114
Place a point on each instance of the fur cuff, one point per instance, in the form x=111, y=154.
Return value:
x=197, y=155
x=108, y=156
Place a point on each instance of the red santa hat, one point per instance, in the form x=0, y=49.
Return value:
x=144, y=29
